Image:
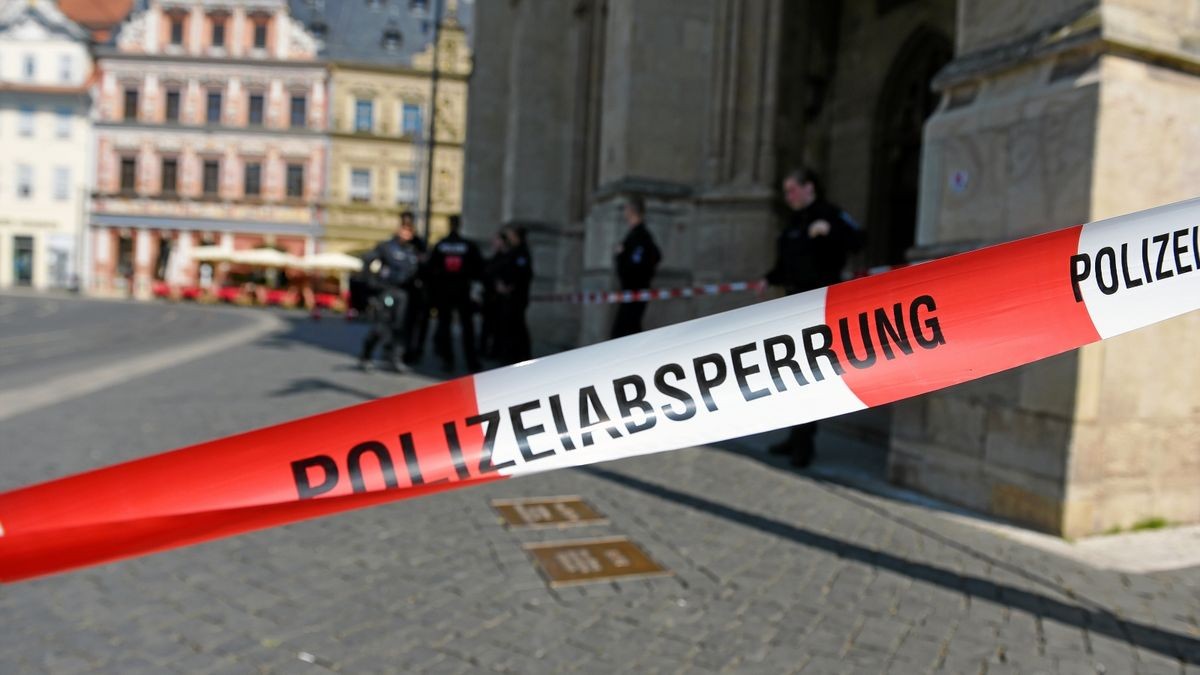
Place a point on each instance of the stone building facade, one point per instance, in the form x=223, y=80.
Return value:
x=45, y=145
x=210, y=130
x=941, y=125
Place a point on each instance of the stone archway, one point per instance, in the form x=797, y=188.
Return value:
x=905, y=103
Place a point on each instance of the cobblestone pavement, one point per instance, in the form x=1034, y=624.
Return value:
x=774, y=572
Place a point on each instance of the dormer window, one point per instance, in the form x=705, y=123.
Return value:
x=391, y=39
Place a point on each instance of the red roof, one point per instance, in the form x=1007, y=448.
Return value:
x=96, y=14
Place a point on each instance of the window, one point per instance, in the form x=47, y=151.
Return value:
x=63, y=122
x=24, y=181
x=411, y=122
x=364, y=113
x=260, y=34
x=125, y=256
x=360, y=185
x=131, y=105
x=170, y=176
x=64, y=68
x=391, y=39
x=406, y=188
x=23, y=261
x=299, y=111
x=176, y=30
x=213, y=110
x=164, y=259
x=62, y=183
x=29, y=67
x=253, y=179
x=172, y=105
x=256, y=109
x=128, y=174
x=295, y=180
x=25, y=121
x=212, y=175
x=218, y=32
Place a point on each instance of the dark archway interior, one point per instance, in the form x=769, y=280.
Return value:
x=905, y=103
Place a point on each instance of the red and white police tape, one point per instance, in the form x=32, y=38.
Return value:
x=648, y=294
x=857, y=344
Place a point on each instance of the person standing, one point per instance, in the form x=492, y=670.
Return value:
x=392, y=270
x=636, y=260
x=490, y=309
x=514, y=277
x=454, y=263
x=416, y=314
x=809, y=254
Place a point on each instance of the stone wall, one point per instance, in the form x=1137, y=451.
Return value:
x=1035, y=134
x=1134, y=454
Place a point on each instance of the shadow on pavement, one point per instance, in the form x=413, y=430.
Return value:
x=1094, y=618
x=336, y=334
x=308, y=385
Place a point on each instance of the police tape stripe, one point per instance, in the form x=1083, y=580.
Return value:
x=648, y=294
x=835, y=350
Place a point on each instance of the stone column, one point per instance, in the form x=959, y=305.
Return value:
x=535, y=170
x=656, y=97
x=1036, y=132
x=734, y=222
x=105, y=262
x=487, y=118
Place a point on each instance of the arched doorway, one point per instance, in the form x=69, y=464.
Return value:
x=904, y=104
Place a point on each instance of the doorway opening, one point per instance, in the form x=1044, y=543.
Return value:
x=905, y=103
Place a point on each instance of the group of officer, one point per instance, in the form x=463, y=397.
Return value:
x=403, y=280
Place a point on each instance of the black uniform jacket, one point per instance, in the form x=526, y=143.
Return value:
x=803, y=263
x=638, y=258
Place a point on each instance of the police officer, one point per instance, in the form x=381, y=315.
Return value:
x=636, y=259
x=810, y=253
x=490, y=309
x=416, y=316
x=392, y=274
x=453, y=264
x=514, y=277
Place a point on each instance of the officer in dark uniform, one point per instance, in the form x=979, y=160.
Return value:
x=490, y=309
x=810, y=253
x=416, y=315
x=514, y=276
x=391, y=276
x=636, y=260
x=454, y=263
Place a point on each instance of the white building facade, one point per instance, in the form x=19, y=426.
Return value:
x=46, y=145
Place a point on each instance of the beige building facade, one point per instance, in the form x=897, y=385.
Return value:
x=382, y=112
x=378, y=159
x=45, y=146
x=940, y=125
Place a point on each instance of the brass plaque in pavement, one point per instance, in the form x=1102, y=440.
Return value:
x=560, y=512
x=565, y=563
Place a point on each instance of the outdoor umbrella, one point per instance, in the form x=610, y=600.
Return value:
x=333, y=262
x=209, y=254
x=264, y=257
